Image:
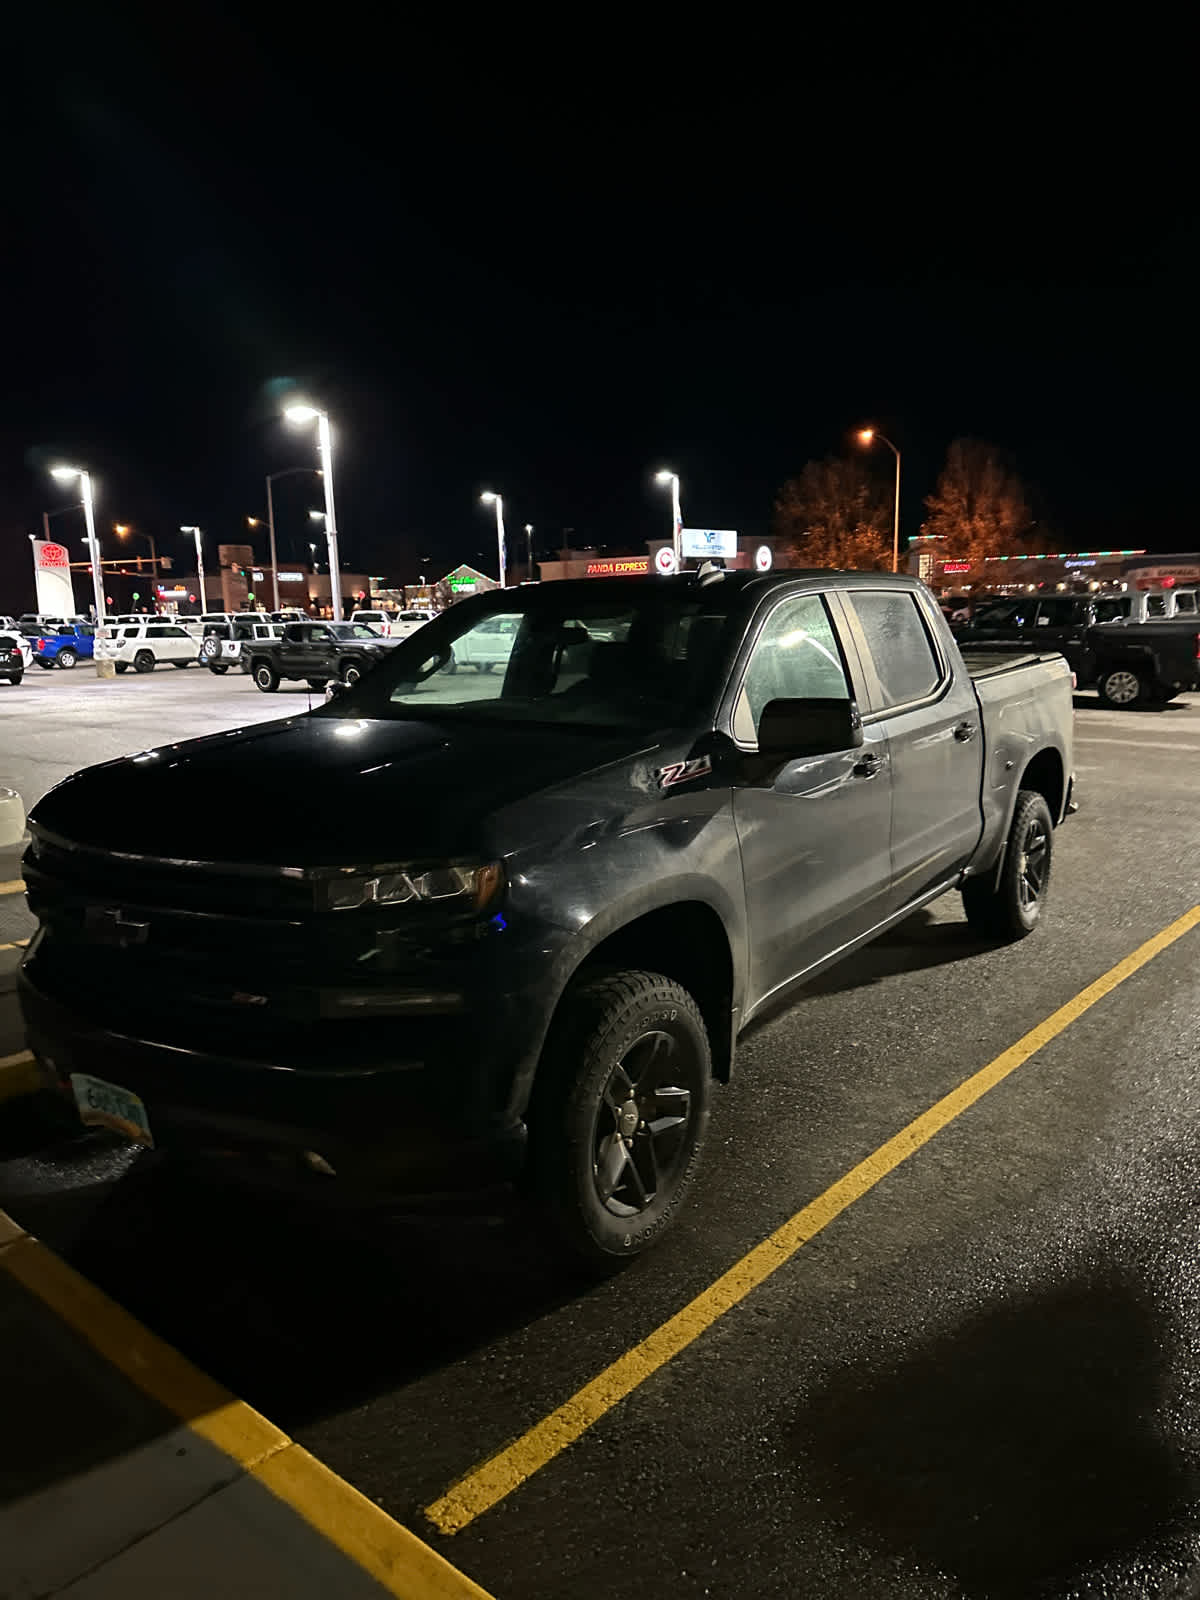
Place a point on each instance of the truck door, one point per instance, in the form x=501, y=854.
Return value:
x=814, y=833
x=931, y=717
x=1062, y=623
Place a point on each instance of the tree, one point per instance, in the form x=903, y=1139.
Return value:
x=836, y=514
x=979, y=507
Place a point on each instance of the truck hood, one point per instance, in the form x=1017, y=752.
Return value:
x=318, y=790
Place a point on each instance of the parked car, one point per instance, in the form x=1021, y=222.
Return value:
x=31, y=623
x=15, y=655
x=379, y=620
x=318, y=653
x=409, y=621
x=65, y=647
x=226, y=644
x=145, y=644
x=522, y=929
x=1131, y=663
x=487, y=646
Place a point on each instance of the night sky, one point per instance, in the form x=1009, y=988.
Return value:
x=551, y=261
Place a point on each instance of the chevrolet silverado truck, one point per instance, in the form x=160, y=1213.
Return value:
x=1131, y=663
x=511, y=925
x=316, y=652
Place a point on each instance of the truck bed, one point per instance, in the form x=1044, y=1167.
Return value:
x=991, y=659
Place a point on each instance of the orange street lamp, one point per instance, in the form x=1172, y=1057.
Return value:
x=867, y=436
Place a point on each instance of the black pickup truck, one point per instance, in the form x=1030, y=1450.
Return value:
x=513, y=923
x=1131, y=663
x=318, y=653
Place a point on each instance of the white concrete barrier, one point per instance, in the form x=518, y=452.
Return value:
x=12, y=819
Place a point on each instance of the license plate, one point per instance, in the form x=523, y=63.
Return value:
x=107, y=1105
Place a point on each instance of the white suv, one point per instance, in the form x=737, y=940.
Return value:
x=144, y=646
x=379, y=620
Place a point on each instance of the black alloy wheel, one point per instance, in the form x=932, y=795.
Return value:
x=143, y=661
x=266, y=677
x=351, y=672
x=619, y=1113
x=121, y=666
x=1010, y=906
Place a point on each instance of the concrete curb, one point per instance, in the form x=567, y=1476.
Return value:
x=383, y=1550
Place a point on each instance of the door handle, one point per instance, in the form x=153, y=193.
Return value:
x=965, y=732
x=867, y=766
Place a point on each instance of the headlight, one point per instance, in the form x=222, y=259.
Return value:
x=464, y=887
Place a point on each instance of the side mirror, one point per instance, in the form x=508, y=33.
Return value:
x=797, y=728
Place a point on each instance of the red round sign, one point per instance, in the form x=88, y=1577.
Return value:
x=664, y=560
x=52, y=555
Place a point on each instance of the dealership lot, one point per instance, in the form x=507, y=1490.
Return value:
x=976, y=1379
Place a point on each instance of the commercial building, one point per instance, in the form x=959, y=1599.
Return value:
x=602, y=563
x=1069, y=571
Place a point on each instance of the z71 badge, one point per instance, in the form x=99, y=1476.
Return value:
x=683, y=771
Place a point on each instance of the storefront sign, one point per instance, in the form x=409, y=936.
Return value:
x=664, y=561
x=955, y=566
x=619, y=567
x=1069, y=564
x=289, y=577
x=52, y=578
x=763, y=558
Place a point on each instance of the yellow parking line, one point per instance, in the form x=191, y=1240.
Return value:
x=397, y=1559
x=19, y=1075
x=498, y=1476
x=13, y=886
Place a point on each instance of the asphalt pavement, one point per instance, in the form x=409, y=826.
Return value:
x=978, y=1379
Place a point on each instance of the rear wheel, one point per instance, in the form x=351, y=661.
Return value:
x=144, y=661
x=15, y=677
x=67, y=658
x=1010, y=907
x=619, y=1114
x=218, y=667
x=266, y=677
x=1123, y=688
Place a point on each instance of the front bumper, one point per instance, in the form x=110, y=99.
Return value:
x=417, y=1118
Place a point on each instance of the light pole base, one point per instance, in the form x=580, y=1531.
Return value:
x=106, y=669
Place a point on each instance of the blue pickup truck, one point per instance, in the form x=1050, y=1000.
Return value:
x=64, y=647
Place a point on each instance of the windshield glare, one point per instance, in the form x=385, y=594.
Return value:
x=643, y=658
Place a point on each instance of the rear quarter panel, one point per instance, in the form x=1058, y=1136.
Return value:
x=1026, y=709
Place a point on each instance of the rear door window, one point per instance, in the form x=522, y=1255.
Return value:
x=906, y=663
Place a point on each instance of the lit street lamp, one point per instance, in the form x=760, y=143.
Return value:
x=672, y=478
x=868, y=436
x=123, y=530
x=256, y=522
x=203, y=598
x=529, y=549
x=489, y=497
x=301, y=414
x=64, y=475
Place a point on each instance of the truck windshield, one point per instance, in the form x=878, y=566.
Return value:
x=642, y=658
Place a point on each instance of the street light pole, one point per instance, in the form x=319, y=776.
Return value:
x=529, y=549
x=64, y=474
x=271, y=544
x=195, y=532
x=489, y=497
x=304, y=413
x=676, y=513
x=866, y=436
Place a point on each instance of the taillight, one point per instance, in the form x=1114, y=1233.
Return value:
x=1198, y=647
x=41, y=644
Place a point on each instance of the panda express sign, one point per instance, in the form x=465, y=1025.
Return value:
x=619, y=567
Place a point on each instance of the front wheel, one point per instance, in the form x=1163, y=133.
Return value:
x=266, y=677
x=350, y=673
x=619, y=1114
x=67, y=659
x=1122, y=688
x=1010, y=907
x=143, y=661
x=121, y=666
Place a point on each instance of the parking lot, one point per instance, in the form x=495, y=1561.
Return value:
x=966, y=1370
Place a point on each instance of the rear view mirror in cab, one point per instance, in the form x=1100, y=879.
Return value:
x=796, y=728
